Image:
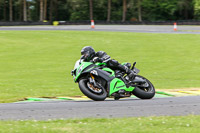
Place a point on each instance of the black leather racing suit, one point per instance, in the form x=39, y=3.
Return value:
x=111, y=63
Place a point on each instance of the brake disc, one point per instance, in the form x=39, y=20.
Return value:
x=94, y=89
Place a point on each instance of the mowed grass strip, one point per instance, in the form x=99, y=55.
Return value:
x=162, y=124
x=38, y=63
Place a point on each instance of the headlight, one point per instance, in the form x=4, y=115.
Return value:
x=73, y=72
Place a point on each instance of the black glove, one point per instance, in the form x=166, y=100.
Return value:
x=96, y=59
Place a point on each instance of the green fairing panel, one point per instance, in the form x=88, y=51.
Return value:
x=130, y=88
x=106, y=68
x=117, y=84
x=109, y=70
x=99, y=63
x=81, y=68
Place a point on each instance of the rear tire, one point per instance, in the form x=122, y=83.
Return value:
x=144, y=92
x=86, y=91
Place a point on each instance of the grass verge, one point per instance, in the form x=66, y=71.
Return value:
x=164, y=124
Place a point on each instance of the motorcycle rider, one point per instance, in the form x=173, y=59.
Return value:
x=89, y=54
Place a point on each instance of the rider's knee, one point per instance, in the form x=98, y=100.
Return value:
x=113, y=62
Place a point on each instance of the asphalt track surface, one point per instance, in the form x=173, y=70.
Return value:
x=171, y=106
x=115, y=28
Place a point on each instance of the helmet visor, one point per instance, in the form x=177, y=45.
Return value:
x=85, y=55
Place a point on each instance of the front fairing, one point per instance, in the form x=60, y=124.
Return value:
x=78, y=68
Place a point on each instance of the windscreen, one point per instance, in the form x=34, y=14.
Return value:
x=77, y=64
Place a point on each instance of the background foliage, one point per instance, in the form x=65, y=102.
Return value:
x=69, y=10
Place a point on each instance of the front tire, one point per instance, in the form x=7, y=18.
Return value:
x=86, y=91
x=144, y=92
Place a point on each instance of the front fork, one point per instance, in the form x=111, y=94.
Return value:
x=93, y=82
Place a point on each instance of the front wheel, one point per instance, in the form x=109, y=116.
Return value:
x=96, y=94
x=144, y=90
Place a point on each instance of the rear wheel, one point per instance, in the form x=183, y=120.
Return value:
x=94, y=93
x=144, y=90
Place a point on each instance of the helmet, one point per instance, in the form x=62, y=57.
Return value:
x=87, y=53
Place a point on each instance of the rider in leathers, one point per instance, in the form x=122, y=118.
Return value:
x=89, y=54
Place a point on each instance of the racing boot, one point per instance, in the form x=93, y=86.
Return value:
x=130, y=74
x=128, y=71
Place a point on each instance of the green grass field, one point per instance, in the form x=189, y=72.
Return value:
x=175, y=124
x=38, y=63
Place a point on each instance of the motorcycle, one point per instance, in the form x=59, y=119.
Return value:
x=98, y=82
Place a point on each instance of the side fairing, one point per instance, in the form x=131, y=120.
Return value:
x=106, y=75
x=110, y=71
x=117, y=84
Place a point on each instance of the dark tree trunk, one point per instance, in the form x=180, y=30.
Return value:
x=139, y=11
x=10, y=11
x=51, y=11
x=21, y=10
x=124, y=11
x=56, y=10
x=109, y=10
x=41, y=10
x=91, y=9
x=25, y=11
x=5, y=11
x=45, y=9
x=28, y=12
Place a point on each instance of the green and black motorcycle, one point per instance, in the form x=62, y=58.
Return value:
x=98, y=82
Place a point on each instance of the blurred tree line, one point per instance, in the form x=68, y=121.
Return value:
x=123, y=10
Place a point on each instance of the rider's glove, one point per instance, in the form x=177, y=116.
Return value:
x=96, y=59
